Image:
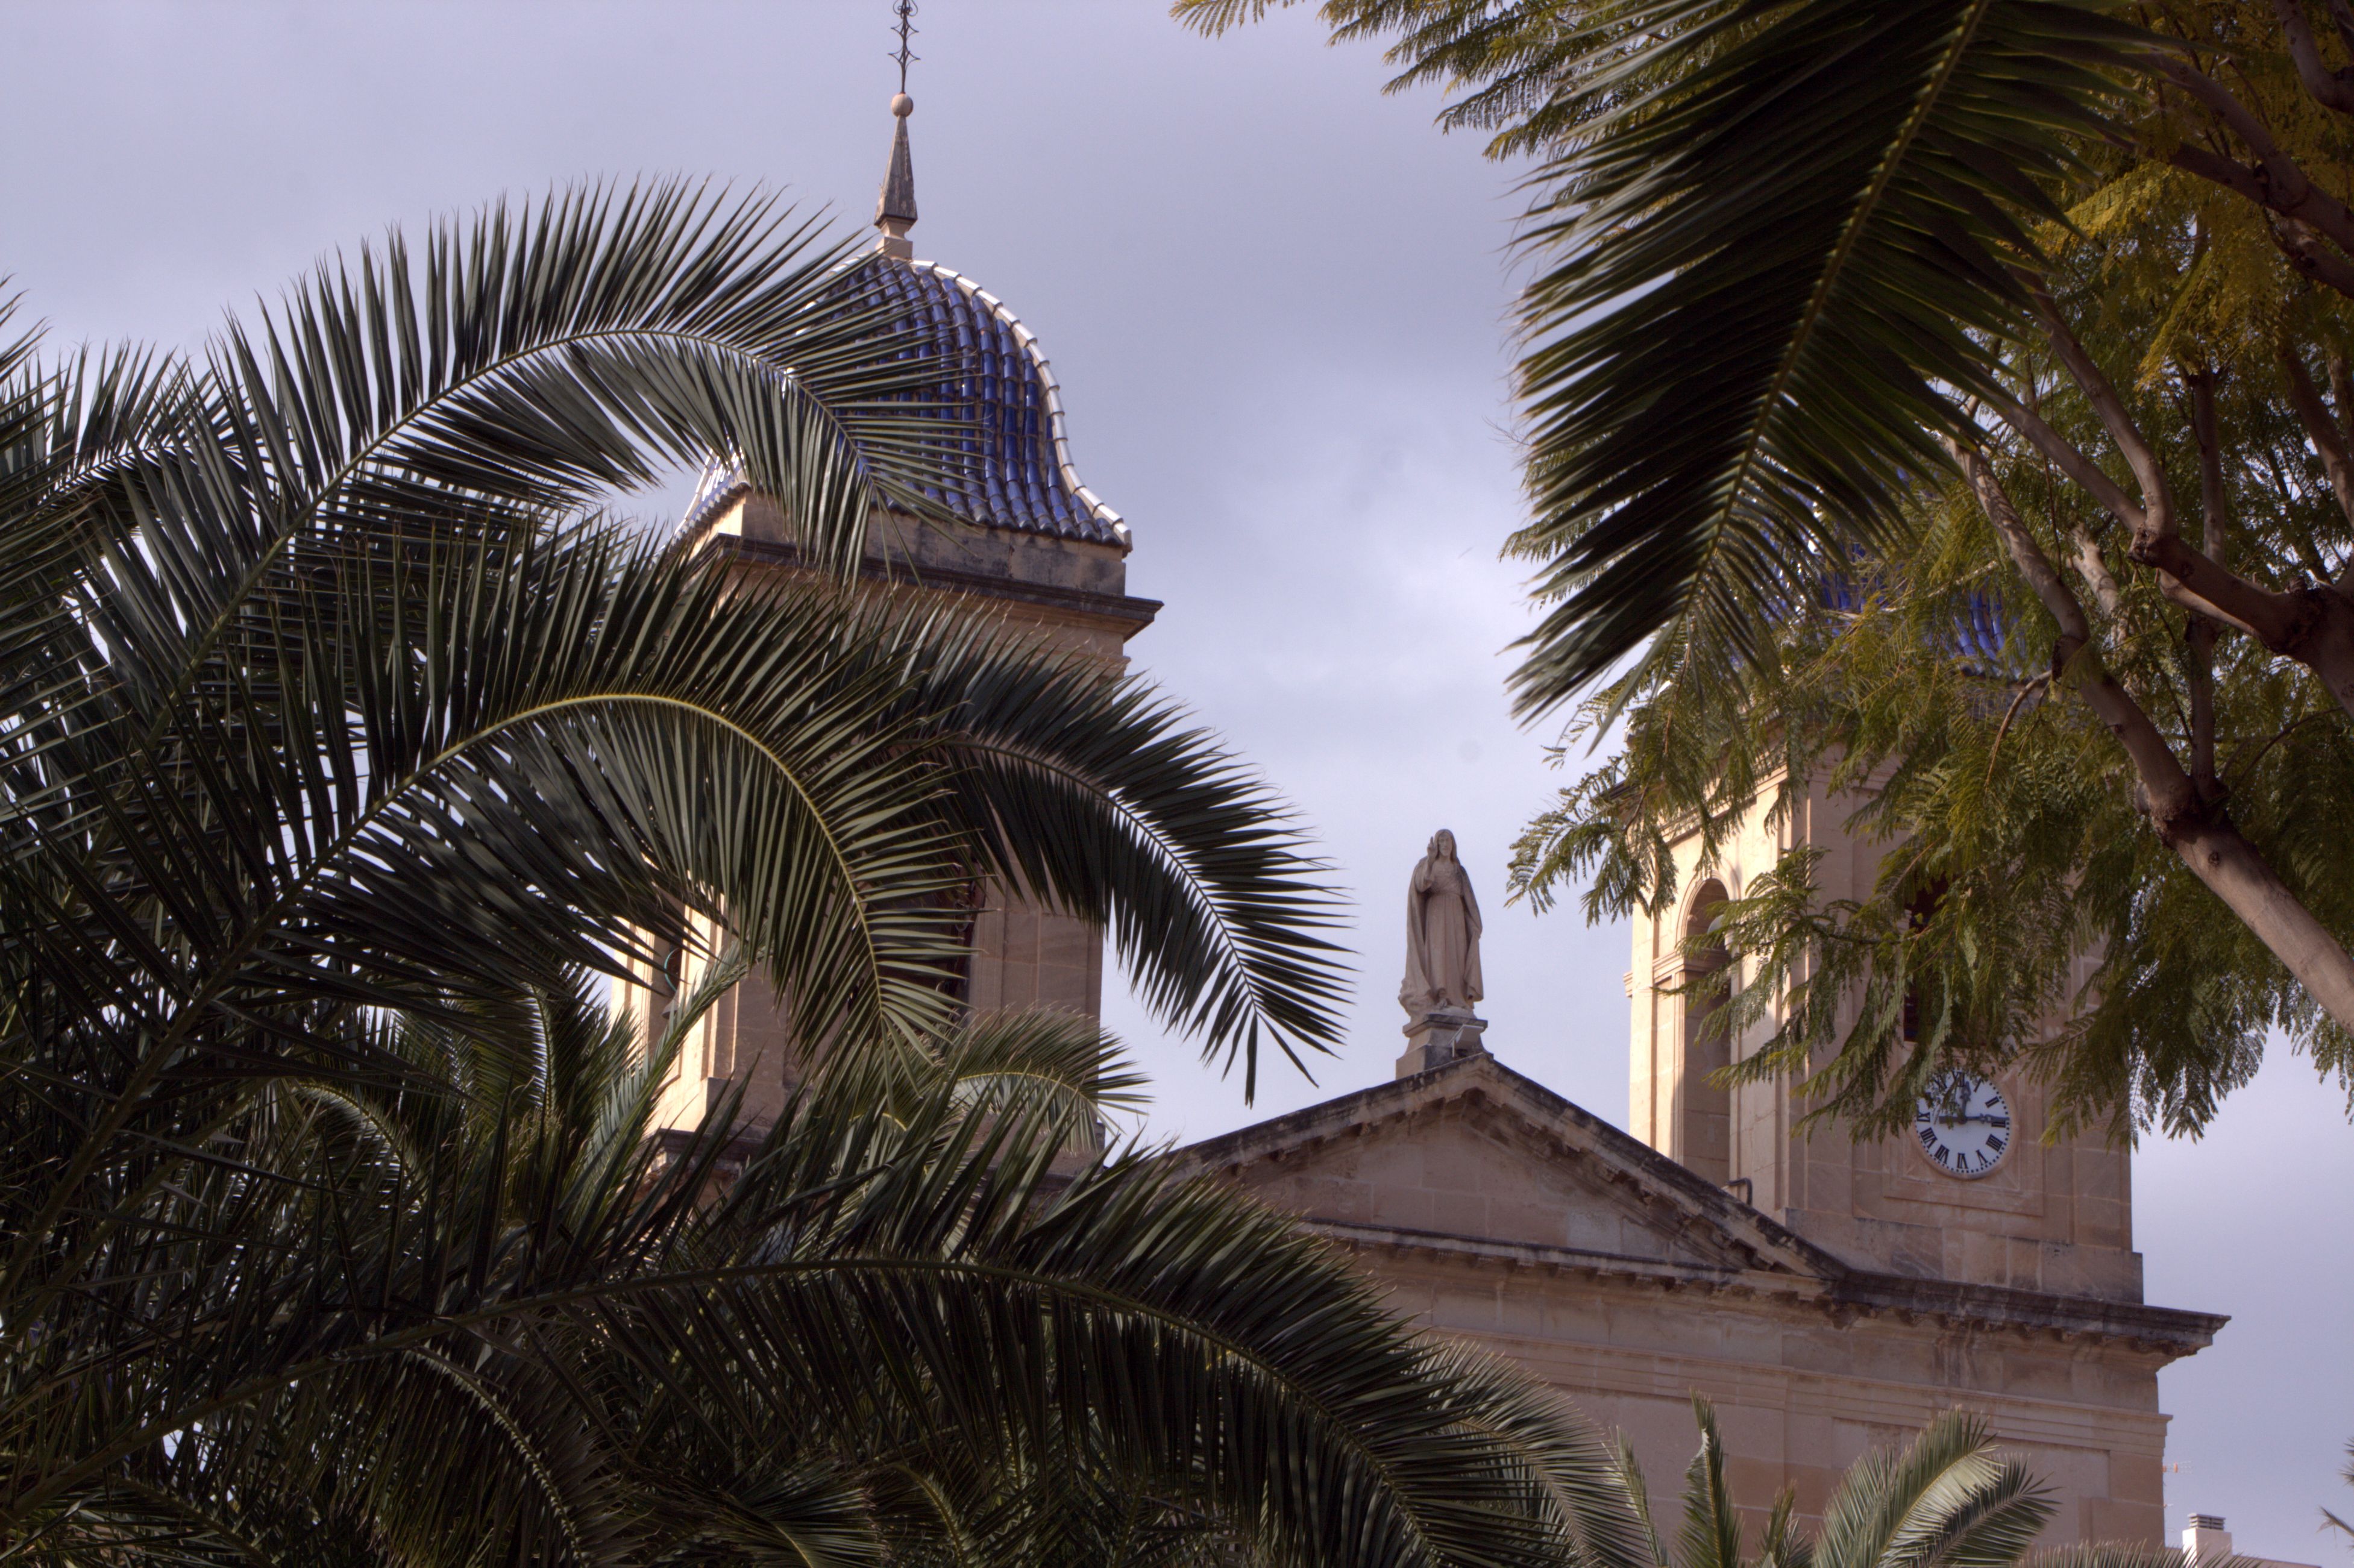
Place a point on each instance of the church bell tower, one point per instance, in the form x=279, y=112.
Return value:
x=1973, y=1194
x=1029, y=543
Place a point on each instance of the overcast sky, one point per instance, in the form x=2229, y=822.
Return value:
x=1276, y=303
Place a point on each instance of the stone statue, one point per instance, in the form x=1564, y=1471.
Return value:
x=1442, y=934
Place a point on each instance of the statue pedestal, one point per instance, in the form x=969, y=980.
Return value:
x=1438, y=1037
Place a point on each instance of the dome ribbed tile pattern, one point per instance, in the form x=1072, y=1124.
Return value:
x=1010, y=467
x=1979, y=632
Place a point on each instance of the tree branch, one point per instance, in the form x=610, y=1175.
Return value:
x=2198, y=584
x=2107, y=593
x=2310, y=255
x=2214, y=538
x=2320, y=426
x=2341, y=391
x=2069, y=458
x=2088, y=474
x=2299, y=243
x=2052, y=590
x=2315, y=627
x=2214, y=500
x=2286, y=189
x=2196, y=829
x=2157, y=519
x=2331, y=90
x=2286, y=623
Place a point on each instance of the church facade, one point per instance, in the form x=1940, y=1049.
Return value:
x=1493, y=1210
x=1826, y=1295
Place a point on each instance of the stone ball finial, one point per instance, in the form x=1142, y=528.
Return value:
x=902, y=105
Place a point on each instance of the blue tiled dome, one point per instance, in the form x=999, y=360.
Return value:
x=1013, y=468
x=1979, y=633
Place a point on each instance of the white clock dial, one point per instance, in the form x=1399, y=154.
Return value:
x=1963, y=1124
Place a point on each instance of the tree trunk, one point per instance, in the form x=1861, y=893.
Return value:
x=2193, y=826
x=2233, y=870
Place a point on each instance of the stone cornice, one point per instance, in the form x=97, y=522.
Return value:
x=1124, y=612
x=1852, y=1294
x=1559, y=1259
x=2150, y=1328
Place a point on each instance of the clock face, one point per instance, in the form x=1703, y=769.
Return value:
x=1963, y=1124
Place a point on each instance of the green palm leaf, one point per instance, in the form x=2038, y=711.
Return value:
x=1114, y=807
x=1710, y=1534
x=1775, y=243
x=1947, y=1498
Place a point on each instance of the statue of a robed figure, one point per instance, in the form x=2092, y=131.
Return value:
x=1442, y=960
x=1442, y=932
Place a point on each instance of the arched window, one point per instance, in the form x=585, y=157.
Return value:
x=1704, y=1109
x=1917, y=912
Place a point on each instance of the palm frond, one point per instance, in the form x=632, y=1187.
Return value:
x=342, y=760
x=1711, y=1534
x=1066, y=1062
x=1776, y=242
x=1782, y=1545
x=1099, y=795
x=2331, y=1519
x=1947, y=1498
x=2129, y=1554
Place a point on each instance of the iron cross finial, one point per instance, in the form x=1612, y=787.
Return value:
x=905, y=11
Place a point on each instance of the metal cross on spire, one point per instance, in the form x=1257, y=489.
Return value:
x=894, y=214
x=905, y=11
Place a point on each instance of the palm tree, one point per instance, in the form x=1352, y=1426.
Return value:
x=503, y=1323
x=344, y=737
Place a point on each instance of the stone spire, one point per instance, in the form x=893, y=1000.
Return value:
x=894, y=214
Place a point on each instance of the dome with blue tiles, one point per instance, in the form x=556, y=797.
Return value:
x=1008, y=464
x=1011, y=462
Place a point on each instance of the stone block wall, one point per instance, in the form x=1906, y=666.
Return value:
x=1800, y=1397
x=2054, y=1217
x=1027, y=956
x=1487, y=1209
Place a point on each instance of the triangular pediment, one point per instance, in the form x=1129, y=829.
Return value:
x=1475, y=1154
